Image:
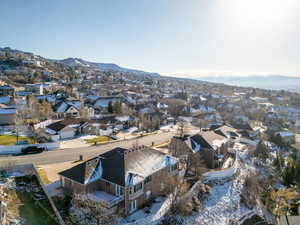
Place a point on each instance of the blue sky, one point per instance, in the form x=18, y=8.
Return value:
x=190, y=38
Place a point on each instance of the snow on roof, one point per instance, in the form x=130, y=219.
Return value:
x=123, y=118
x=158, y=163
x=162, y=105
x=132, y=129
x=186, y=118
x=50, y=131
x=205, y=109
x=133, y=178
x=92, y=97
x=49, y=98
x=104, y=102
x=285, y=134
x=62, y=108
x=218, y=143
x=203, y=98
x=4, y=99
x=76, y=104
x=8, y=111
x=145, y=110
x=6, y=87
x=130, y=100
x=196, y=146
x=97, y=174
x=257, y=99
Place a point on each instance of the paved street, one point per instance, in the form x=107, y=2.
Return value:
x=64, y=155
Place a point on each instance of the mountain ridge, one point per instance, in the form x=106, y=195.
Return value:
x=73, y=62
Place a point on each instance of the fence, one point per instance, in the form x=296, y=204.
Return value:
x=15, y=149
x=48, y=196
x=44, y=123
x=222, y=174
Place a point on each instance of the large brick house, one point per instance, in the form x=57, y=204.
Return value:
x=125, y=178
x=209, y=144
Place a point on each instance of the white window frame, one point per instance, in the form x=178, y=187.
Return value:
x=148, y=195
x=142, y=186
x=132, y=206
x=117, y=190
x=63, y=182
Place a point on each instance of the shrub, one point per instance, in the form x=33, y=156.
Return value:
x=185, y=207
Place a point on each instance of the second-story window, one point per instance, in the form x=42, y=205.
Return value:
x=148, y=179
x=174, y=167
x=138, y=187
x=118, y=190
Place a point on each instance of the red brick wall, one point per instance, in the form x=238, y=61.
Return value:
x=155, y=186
x=178, y=148
x=72, y=186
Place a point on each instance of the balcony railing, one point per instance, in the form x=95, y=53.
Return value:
x=104, y=198
x=116, y=200
x=136, y=194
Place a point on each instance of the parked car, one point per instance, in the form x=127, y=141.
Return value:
x=33, y=149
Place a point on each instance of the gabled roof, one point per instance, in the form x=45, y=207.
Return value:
x=63, y=106
x=226, y=131
x=104, y=101
x=207, y=139
x=121, y=166
x=82, y=171
x=57, y=126
x=200, y=140
x=242, y=126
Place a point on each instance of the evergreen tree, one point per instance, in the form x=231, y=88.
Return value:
x=110, y=107
x=117, y=107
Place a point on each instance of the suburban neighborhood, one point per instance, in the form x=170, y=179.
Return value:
x=150, y=112
x=115, y=147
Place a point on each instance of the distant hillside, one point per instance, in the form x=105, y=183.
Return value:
x=73, y=62
x=274, y=82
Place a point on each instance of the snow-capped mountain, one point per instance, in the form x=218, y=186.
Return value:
x=102, y=66
x=76, y=62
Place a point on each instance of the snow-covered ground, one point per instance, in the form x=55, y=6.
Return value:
x=142, y=214
x=52, y=188
x=168, y=128
x=222, y=204
x=76, y=142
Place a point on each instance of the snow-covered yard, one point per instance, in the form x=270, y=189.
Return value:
x=140, y=214
x=53, y=188
x=76, y=142
x=169, y=128
x=224, y=202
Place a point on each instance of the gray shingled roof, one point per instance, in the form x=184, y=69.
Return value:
x=117, y=164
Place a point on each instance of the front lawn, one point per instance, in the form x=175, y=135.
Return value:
x=98, y=139
x=43, y=176
x=11, y=139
